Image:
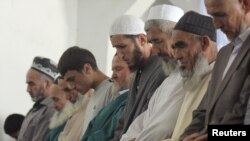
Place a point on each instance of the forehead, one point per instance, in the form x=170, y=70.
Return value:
x=32, y=75
x=62, y=83
x=56, y=91
x=119, y=39
x=181, y=36
x=117, y=61
x=70, y=73
x=214, y=5
x=154, y=31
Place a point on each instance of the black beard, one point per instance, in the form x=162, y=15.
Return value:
x=137, y=58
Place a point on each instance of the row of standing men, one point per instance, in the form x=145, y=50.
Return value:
x=179, y=84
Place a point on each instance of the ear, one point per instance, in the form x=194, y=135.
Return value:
x=142, y=39
x=245, y=5
x=87, y=68
x=204, y=43
x=46, y=84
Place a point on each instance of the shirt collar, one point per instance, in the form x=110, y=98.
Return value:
x=242, y=37
x=123, y=91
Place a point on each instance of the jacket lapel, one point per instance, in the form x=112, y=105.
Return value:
x=231, y=70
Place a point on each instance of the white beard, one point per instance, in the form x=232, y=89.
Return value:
x=192, y=78
x=69, y=109
x=169, y=66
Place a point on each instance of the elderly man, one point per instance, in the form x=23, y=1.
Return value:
x=58, y=120
x=167, y=99
x=67, y=121
x=228, y=92
x=195, y=49
x=39, y=78
x=129, y=38
x=79, y=69
x=103, y=125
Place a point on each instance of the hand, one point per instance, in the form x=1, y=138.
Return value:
x=191, y=137
x=202, y=137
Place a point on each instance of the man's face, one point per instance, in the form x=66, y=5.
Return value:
x=121, y=72
x=160, y=41
x=186, y=49
x=128, y=49
x=35, y=85
x=70, y=94
x=227, y=15
x=58, y=97
x=78, y=81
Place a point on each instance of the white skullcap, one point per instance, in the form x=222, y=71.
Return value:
x=165, y=12
x=127, y=25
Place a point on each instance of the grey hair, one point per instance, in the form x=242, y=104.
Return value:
x=163, y=25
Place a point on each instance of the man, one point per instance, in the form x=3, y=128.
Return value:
x=228, y=92
x=103, y=125
x=195, y=49
x=39, y=78
x=128, y=37
x=58, y=120
x=79, y=69
x=12, y=125
x=72, y=114
x=167, y=99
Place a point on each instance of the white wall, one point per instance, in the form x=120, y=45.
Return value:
x=29, y=28
x=94, y=22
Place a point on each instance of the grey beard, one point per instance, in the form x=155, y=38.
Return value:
x=169, y=66
x=62, y=116
x=38, y=97
x=114, y=91
x=68, y=110
x=192, y=78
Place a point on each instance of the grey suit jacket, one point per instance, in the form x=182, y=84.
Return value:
x=35, y=126
x=151, y=77
x=225, y=100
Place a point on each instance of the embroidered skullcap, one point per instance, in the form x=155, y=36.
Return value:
x=45, y=66
x=127, y=25
x=198, y=24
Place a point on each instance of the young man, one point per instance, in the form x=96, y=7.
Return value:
x=79, y=69
x=127, y=35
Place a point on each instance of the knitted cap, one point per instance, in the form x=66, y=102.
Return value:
x=198, y=24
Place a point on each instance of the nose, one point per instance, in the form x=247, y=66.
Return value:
x=71, y=86
x=119, y=53
x=177, y=54
x=217, y=23
x=155, y=49
x=28, y=89
x=54, y=105
x=114, y=76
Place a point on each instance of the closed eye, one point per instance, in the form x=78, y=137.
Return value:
x=179, y=44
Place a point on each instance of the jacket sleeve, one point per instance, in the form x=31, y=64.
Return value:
x=238, y=112
x=42, y=128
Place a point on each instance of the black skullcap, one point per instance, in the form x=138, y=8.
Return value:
x=45, y=66
x=198, y=24
x=13, y=123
